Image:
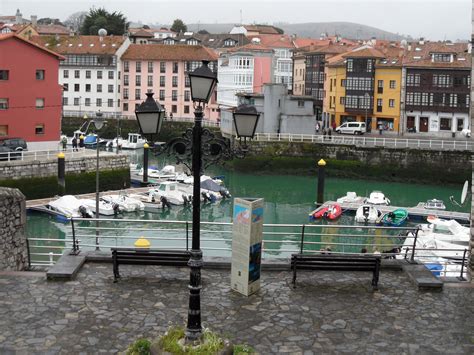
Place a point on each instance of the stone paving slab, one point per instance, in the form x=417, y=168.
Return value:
x=329, y=312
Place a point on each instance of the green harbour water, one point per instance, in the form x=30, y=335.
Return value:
x=288, y=200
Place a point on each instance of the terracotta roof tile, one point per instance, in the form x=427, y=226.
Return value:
x=140, y=32
x=81, y=44
x=274, y=41
x=364, y=53
x=251, y=47
x=169, y=52
x=310, y=42
x=4, y=37
x=263, y=29
x=420, y=55
x=51, y=30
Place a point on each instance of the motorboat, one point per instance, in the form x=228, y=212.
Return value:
x=70, y=207
x=351, y=197
x=427, y=247
x=212, y=190
x=106, y=208
x=395, y=218
x=170, y=191
x=330, y=212
x=445, y=230
x=91, y=140
x=151, y=202
x=377, y=198
x=367, y=214
x=134, y=141
x=168, y=172
x=433, y=204
x=126, y=203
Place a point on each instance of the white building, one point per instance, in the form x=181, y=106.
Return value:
x=90, y=75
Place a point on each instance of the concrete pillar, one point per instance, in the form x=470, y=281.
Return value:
x=13, y=248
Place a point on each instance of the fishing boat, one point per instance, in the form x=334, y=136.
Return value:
x=133, y=141
x=377, y=198
x=170, y=191
x=395, y=218
x=367, y=214
x=330, y=212
x=168, y=172
x=91, y=140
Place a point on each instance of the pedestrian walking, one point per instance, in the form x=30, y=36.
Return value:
x=317, y=127
x=64, y=143
x=81, y=141
x=74, y=144
x=171, y=116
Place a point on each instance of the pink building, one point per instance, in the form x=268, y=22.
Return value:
x=30, y=96
x=244, y=69
x=163, y=69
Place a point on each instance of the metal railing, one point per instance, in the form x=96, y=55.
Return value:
x=394, y=143
x=32, y=155
x=279, y=240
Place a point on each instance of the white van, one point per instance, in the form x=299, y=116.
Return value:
x=352, y=128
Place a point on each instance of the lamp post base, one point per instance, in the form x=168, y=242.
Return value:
x=194, y=328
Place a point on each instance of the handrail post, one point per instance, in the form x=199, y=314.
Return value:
x=461, y=278
x=412, y=259
x=187, y=235
x=302, y=239
x=74, y=242
x=28, y=252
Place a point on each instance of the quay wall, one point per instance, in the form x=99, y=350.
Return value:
x=38, y=179
x=13, y=248
x=405, y=165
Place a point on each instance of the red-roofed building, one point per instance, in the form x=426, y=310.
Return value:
x=163, y=69
x=30, y=96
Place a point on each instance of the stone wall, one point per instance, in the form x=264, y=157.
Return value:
x=49, y=167
x=13, y=249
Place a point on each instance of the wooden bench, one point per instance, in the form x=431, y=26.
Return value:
x=337, y=263
x=136, y=256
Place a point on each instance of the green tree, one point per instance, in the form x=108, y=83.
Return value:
x=179, y=26
x=115, y=23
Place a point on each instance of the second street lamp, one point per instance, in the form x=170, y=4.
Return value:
x=99, y=122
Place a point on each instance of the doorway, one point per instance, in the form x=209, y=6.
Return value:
x=424, y=124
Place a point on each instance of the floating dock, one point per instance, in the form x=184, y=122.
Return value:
x=414, y=213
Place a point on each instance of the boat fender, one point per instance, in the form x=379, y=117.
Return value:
x=164, y=202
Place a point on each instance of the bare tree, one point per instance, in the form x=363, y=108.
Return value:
x=75, y=20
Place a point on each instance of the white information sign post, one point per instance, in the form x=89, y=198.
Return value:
x=247, y=233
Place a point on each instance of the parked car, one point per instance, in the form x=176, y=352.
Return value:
x=352, y=128
x=7, y=154
x=14, y=144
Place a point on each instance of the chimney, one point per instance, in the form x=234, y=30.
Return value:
x=18, y=17
x=34, y=20
x=421, y=41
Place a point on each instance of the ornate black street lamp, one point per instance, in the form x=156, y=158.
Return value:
x=198, y=148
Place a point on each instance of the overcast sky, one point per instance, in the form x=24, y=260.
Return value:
x=433, y=19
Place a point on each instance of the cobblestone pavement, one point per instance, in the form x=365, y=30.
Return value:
x=327, y=313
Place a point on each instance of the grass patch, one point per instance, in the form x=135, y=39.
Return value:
x=140, y=347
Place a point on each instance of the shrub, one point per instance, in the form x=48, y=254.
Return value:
x=139, y=347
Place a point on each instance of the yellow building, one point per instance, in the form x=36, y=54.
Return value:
x=299, y=69
x=364, y=85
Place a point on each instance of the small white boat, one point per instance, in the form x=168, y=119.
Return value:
x=170, y=191
x=125, y=202
x=367, y=214
x=211, y=189
x=445, y=230
x=377, y=198
x=106, y=208
x=433, y=204
x=428, y=247
x=70, y=207
x=152, y=202
x=134, y=141
x=168, y=172
x=349, y=198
